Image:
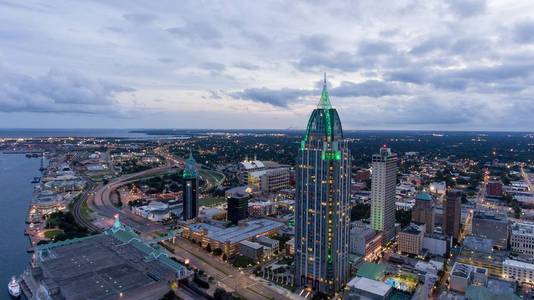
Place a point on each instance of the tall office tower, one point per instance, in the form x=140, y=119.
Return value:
x=322, y=212
x=237, y=207
x=190, y=195
x=423, y=211
x=383, y=185
x=452, y=214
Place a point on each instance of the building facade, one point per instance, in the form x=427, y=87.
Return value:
x=522, y=238
x=237, y=207
x=424, y=212
x=383, y=184
x=452, y=214
x=411, y=239
x=269, y=180
x=190, y=193
x=322, y=207
x=518, y=271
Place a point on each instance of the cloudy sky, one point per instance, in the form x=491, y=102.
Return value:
x=452, y=64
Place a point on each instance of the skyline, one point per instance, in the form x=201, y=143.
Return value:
x=456, y=65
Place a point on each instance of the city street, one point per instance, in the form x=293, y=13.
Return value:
x=227, y=275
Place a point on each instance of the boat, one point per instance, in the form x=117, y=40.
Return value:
x=14, y=288
x=28, y=155
x=36, y=179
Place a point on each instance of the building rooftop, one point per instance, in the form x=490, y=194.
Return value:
x=236, y=234
x=371, y=286
x=371, y=271
x=487, y=215
x=423, y=196
x=250, y=244
x=104, y=265
x=478, y=244
x=523, y=228
x=518, y=264
x=413, y=228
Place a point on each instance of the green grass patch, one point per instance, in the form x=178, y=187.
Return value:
x=52, y=233
x=85, y=211
x=212, y=201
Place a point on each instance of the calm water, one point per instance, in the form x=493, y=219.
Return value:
x=16, y=173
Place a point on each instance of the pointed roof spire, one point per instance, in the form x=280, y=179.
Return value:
x=324, y=103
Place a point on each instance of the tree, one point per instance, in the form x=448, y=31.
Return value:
x=208, y=248
x=404, y=217
x=217, y=251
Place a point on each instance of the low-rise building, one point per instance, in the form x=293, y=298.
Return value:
x=365, y=242
x=268, y=242
x=464, y=275
x=228, y=238
x=364, y=288
x=251, y=250
x=518, y=270
x=437, y=244
x=522, y=238
x=411, y=239
x=479, y=252
x=269, y=180
x=491, y=225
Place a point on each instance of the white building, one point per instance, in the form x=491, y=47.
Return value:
x=464, y=275
x=363, y=288
x=384, y=181
x=269, y=180
x=439, y=187
x=518, y=270
x=436, y=244
x=522, y=238
x=154, y=211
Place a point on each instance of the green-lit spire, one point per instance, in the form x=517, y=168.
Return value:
x=190, y=170
x=324, y=103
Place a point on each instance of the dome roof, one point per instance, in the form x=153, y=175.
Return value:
x=423, y=196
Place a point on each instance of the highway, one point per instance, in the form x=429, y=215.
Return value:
x=526, y=178
x=227, y=275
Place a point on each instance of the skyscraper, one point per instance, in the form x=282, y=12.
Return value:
x=322, y=212
x=190, y=196
x=452, y=214
x=237, y=207
x=383, y=185
x=423, y=211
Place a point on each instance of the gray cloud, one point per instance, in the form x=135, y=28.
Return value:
x=213, y=66
x=58, y=91
x=316, y=42
x=202, y=33
x=467, y=8
x=524, y=32
x=280, y=98
x=246, y=66
x=369, y=88
x=140, y=18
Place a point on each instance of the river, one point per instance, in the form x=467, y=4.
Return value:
x=16, y=173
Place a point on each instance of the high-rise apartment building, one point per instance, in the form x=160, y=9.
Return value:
x=383, y=183
x=322, y=211
x=190, y=193
x=452, y=213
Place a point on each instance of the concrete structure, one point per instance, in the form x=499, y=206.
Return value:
x=365, y=242
x=518, y=271
x=364, y=288
x=322, y=212
x=424, y=212
x=237, y=206
x=479, y=252
x=190, y=193
x=494, y=188
x=464, y=275
x=383, y=185
x=438, y=187
x=522, y=238
x=262, y=208
x=269, y=180
x=111, y=265
x=251, y=250
x=491, y=225
x=154, y=211
x=452, y=214
x=268, y=242
x=436, y=244
x=227, y=239
x=411, y=239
